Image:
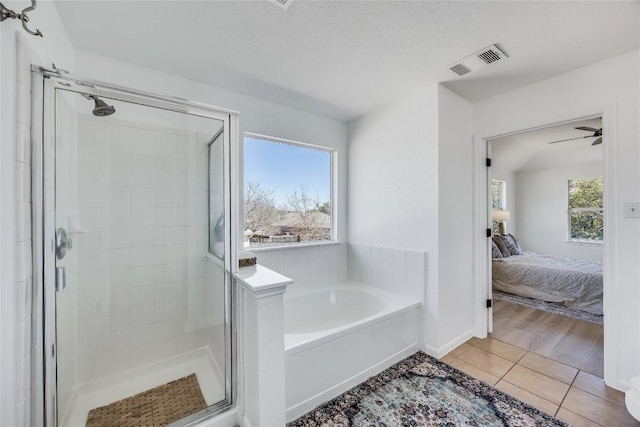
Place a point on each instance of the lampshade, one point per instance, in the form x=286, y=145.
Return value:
x=500, y=215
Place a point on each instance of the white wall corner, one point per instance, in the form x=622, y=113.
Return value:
x=432, y=351
x=443, y=350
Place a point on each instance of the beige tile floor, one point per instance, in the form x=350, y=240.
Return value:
x=573, y=395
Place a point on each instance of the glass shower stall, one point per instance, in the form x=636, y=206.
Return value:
x=133, y=206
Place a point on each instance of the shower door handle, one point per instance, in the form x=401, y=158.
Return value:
x=63, y=243
x=61, y=278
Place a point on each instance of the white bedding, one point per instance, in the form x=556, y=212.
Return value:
x=575, y=283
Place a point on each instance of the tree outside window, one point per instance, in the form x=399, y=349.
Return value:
x=288, y=192
x=586, y=206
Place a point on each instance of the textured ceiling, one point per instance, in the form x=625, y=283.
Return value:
x=346, y=58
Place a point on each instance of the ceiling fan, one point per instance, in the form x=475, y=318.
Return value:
x=597, y=133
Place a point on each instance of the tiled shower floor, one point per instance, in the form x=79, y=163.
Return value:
x=105, y=391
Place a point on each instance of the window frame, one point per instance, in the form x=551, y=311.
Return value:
x=571, y=210
x=503, y=200
x=333, y=196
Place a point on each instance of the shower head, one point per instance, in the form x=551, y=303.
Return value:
x=101, y=108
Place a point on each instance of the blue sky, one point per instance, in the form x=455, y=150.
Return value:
x=282, y=168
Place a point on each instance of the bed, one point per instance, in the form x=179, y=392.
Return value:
x=575, y=283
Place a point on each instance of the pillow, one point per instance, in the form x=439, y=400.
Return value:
x=509, y=244
x=512, y=244
x=495, y=250
x=515, y=241
x=501, y=245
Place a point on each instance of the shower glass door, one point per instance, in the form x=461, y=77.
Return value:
x=139, y=276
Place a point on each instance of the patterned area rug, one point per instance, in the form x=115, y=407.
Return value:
x=421, y=391
x=156, y=407
x=550, y=307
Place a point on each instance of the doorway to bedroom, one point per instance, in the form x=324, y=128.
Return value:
x=546, y=189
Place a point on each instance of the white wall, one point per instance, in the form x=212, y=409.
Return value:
x=393, y=182
x=409, y=188
x=455, y=230
x=392, y=174
x=613, y=89
x=542, y=211
x=15, y=269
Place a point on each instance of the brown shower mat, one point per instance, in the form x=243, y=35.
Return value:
x=155, y=407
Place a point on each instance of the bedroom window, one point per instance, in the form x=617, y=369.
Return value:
x=585, y=213
x=498, y=199
x=288, y=194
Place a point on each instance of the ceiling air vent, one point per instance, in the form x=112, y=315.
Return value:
x=478, y=60
x=460, y=69
x=489, y=56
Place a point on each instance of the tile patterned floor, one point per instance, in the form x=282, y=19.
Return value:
x=575, y=396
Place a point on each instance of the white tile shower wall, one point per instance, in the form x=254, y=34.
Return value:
x=308, y=265
x=142, y=266
x=24, y=272
x=395, y=270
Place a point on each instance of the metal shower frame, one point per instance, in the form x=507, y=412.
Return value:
x=45, y=84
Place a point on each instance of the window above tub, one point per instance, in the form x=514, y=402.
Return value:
x=288, y=192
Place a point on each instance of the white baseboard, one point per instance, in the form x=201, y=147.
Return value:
x=620, y=385
x=443, y=350
x=303, y=407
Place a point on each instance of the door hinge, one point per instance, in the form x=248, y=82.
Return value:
x=489, y=232
x=488, y=162
x=489, y=303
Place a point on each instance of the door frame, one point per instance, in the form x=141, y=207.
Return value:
x=482, y=221
x=45, y=83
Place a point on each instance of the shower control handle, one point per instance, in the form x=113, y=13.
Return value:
x=63, y=243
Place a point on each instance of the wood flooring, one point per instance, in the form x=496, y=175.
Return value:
x=569, y=341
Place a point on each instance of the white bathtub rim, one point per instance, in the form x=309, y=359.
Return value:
x=332, y=302
x=395, y=305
